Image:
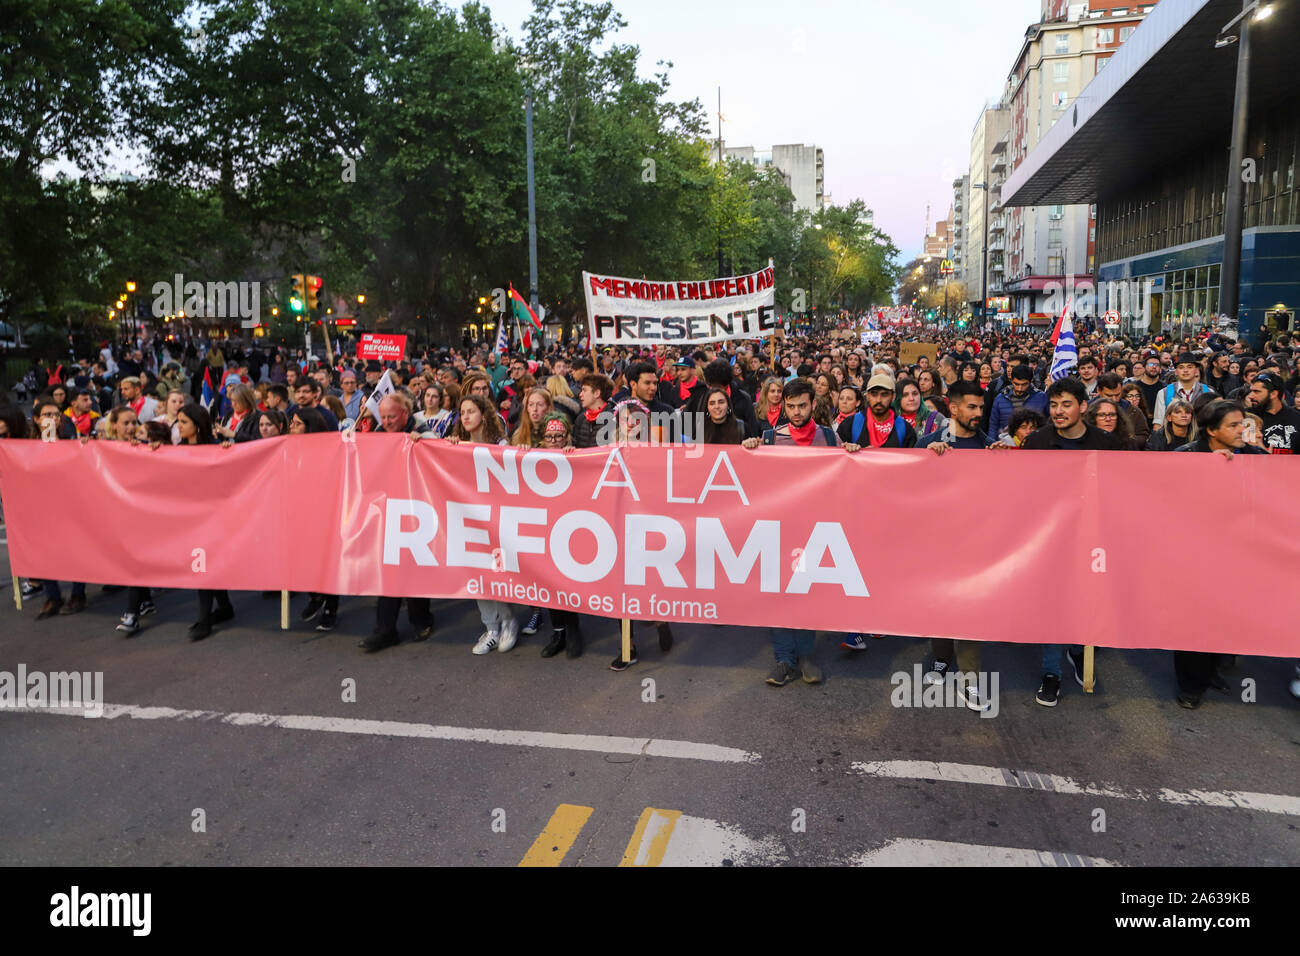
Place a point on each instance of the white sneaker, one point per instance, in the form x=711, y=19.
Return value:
x=487, y=643
x=970, y=694
x=509, y=634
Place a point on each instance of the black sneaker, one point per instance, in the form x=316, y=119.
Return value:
x=326, y=622
x=534, y=622
x=31, y=589
x=312, y=609
x=1076, y=665
x=222, y=614
x=377, y=642
x=622, y=665
x=665, y=637
x=1189, y=701
x=781, y=674
x=129, y=625
x=1050, y=690
x=147, y=607
x=556, y=644
x=938, y=671
x=199, y=630
x=1217, y=682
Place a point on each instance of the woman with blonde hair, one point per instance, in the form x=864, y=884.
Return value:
x=537, y=405
x=241, y=424
x=770, y=407
x=562, y=397
x=1179, y=428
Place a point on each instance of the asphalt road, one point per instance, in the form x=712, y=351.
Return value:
x=241, y=749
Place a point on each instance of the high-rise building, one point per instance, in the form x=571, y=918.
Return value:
x=801, y=166
x=1150, y=143
x=958, y=248
x=987, y=171
x=1040, y=246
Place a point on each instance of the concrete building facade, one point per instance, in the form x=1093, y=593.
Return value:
x=802, y=167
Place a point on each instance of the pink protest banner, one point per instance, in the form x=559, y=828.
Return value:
x=1071, y=547
x=385, y=348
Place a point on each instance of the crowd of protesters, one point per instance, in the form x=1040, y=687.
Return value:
x=984, y=391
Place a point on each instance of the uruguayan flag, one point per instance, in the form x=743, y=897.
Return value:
x=1066, y=357
x=503, y=337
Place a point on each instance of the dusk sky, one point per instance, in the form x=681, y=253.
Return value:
x=890, y=91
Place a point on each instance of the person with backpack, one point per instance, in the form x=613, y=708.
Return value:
x=793, y=647
x=1186, y=386
x=880, y=426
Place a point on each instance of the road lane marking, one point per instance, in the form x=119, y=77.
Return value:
x=650, y=838
x=629, y=746
x=904, y=852
x=558, y=836
x=1029, y=780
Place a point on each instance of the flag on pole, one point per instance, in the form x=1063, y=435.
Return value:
x=383, y=387
x=503, y=336
x=1056, y=331
x=523, y=312
x=207, y=394
x=1066, y=357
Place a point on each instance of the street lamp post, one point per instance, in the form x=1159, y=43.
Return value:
x=1230, y=273
x=984, y=255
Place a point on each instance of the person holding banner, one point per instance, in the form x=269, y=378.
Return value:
x=479, y=423
x=771, y=406
x=793, y=647
x=394, y=416
x=593, y=396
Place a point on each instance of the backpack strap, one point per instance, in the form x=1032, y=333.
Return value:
x=900, y=429
x=859, y=422
x=828, y=433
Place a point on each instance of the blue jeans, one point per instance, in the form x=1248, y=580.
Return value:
x=54, y=594
x=789, y=644
x=1052, y=657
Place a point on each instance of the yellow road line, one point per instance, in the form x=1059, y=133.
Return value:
x=557, y=836
x=650, y=838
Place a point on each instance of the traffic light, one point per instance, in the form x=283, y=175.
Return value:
x=315, y=296
x=298, y=295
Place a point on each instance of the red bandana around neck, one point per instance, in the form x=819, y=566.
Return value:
x=879, y=432
x=592, y=414
x=804, y=435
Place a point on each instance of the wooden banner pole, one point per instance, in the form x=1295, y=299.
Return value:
x=284, y=610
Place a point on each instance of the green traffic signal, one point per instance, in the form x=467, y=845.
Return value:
x=295, y=304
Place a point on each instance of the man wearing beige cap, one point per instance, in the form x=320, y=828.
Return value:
x=879, y=426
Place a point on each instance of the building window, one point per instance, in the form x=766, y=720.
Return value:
x=1092, y=233
x=1125, y=33
x=1059, y=100
x=1063, y=43
x=1101, y=61
x=1055, y=266
x=1119, y=12
x=1054, y=237
x=1055, y=212
x=1061, y=72
x=1105, y=35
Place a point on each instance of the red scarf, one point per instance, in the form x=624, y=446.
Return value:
x=138, y=404
x=774, y=415
x=878, y=433
x=804, y=435
x=685, y=390
x=592, y=415
x=911, y=419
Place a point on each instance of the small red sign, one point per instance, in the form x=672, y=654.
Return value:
x=385, y=348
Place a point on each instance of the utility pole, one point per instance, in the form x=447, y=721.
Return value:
x=720, y=170
x=1230, y=273
x=532, y=201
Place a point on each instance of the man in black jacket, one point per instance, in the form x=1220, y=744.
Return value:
x=1222, y=427
x=643, y=385
x=593, y=394
x=395, y=416
x=1066, y=401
